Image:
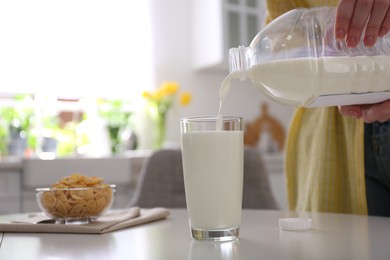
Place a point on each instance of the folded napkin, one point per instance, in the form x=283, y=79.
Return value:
x=111, y=221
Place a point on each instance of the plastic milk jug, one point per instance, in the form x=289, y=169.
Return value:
x=296, y=61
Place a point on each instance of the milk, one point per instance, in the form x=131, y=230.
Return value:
x=213, y=177
x=223, y=92
x=299, y=81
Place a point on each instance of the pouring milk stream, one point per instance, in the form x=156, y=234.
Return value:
x=223, y=91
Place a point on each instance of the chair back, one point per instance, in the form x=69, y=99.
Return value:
x=161, y=182
x=257, y=192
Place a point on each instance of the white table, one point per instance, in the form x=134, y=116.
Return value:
x=334, y=236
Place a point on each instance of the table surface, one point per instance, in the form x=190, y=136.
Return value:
x=333, y=236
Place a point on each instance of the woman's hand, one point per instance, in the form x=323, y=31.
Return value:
x=353, y=15
x=369, y=113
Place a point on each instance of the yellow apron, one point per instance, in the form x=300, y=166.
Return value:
x=324, y=164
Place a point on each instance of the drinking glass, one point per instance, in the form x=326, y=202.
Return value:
x=213, y=175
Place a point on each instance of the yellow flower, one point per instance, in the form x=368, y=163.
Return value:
x=146, y=94
x=159, y=101
x=169, y=88
x=185, y=98
x=158, y=95
x=163, y=97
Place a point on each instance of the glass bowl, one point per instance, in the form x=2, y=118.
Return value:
x=75, y=205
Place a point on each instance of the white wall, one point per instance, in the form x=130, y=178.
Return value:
x=173, y=61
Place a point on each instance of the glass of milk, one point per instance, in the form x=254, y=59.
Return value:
x=213, y=175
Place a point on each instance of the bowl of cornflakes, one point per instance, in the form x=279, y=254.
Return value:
x=76, y=199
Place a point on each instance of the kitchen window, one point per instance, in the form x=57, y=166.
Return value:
x=64, y=51
x=75, y=48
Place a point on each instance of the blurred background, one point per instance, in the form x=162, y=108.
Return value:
x=109, y=78
x=67, y=65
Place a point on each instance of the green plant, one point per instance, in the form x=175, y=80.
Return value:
x=3, y=139
x=118, y=118
x=16, y=121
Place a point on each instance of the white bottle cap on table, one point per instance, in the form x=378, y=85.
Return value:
x=295, y=223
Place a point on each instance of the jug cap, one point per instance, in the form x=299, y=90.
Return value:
x=295, y=223
x=240, y=59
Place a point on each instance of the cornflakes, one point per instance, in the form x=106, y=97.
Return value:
x=77, y=196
